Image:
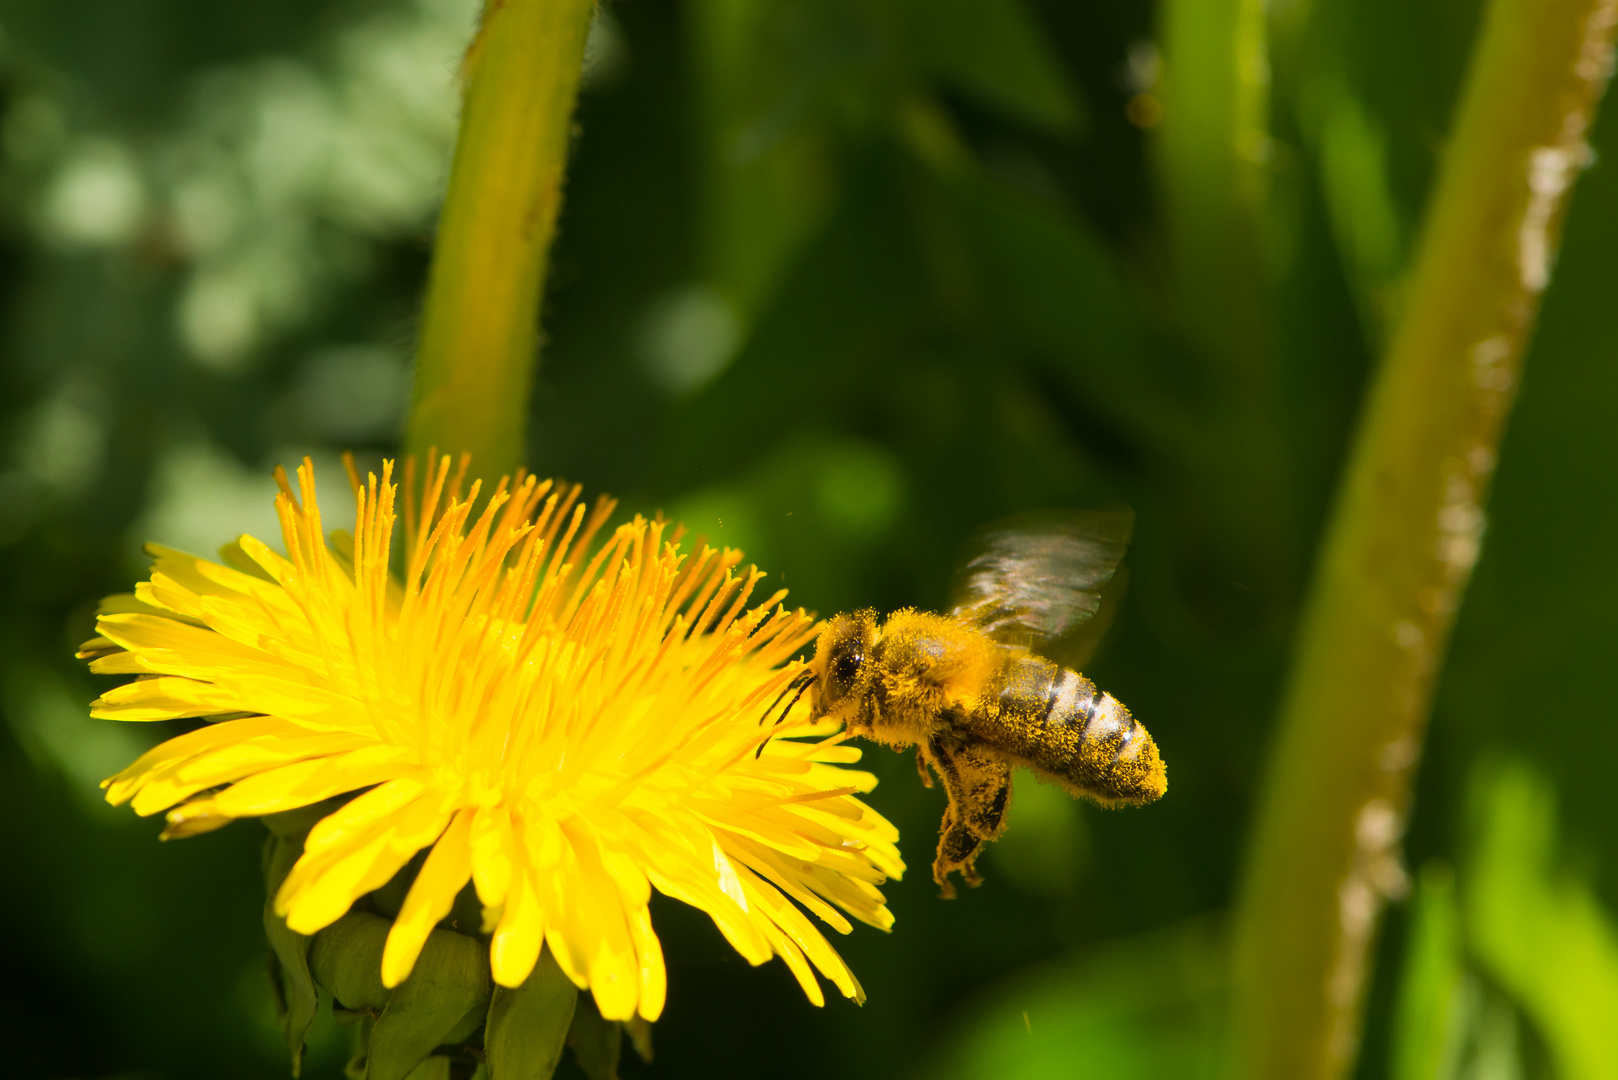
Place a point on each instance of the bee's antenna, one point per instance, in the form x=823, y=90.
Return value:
x=800, y=682
x=794, y=701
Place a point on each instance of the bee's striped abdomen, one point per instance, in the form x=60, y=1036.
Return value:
x=1058, y=722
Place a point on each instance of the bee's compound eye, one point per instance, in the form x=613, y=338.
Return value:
x=847, y=640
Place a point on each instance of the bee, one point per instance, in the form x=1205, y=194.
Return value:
x=972, y=692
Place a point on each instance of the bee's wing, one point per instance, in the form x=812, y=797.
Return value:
x=1050, y=582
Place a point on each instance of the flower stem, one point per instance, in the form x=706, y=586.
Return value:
x=1403, y=536
x=480, y=326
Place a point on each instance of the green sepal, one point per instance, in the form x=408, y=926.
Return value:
x=389, y=899
x=296, y=999
x=639, y=1030
x=361, y=1040
x=348, y=1017
x=529, y=1024
x=443, y=1001
x=434, y=1068
x=466, y=916
x=346, y=959
x=596, y=1043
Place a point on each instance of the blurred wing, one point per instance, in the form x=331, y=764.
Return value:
x=1050, y=582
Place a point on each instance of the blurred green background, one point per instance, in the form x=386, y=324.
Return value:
x=837, y=281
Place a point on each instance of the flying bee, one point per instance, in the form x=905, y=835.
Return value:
x=971, y=693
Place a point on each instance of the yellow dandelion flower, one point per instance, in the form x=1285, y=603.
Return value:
x=567, y=735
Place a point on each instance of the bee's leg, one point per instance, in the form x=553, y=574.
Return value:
x=921, y=765
x=979, y=790
x=957, y=850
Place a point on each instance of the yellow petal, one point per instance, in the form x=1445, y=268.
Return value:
x=193, y=819
x=553, y=874
x=182, y=571
x=357, y=818
x=164, y=697
x=787, y=951
x=162, y=592
x=125, y=603
x=324, y=895
x=689, y=885
x=273, y=564
x=231, y=762
x=803, y=934
x=649, y=954
x=493, y=849
x=120, y=663
x=448, y=867
x=758, y=827
x=236, y=557
x=514, y=949
x=761, y=860
x=181, y=644
x=308, y=782
x=122, y=785
x=598, y=931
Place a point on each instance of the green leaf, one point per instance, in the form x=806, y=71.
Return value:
x=767, y=168
x=1539, y=933
x=296, y=998
x=347, y=960
x=596, y=1042
x=839, y=311
x=1057, y=292
x=1496, y=1053
x=1137, y=1009
x=528, y=1024
x=1357, y=188
x=1429, y=1020
x=442, y=1002
x=1212, y=153
x=996, y=52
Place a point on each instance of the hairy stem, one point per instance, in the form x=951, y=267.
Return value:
x=480, y=326
x=1403, y=537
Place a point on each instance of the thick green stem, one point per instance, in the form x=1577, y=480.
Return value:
x=480, y=326
x=1403, y=537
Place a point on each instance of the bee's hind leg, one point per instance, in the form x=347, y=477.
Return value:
x=922, y=765
x=957, y=850
x=979, y=790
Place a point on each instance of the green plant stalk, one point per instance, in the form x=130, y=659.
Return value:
x=480, y=325
x=1212, y=149
x=1211, y=153
x=1403, y=537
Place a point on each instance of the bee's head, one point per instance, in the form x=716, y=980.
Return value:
x=839, y=662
